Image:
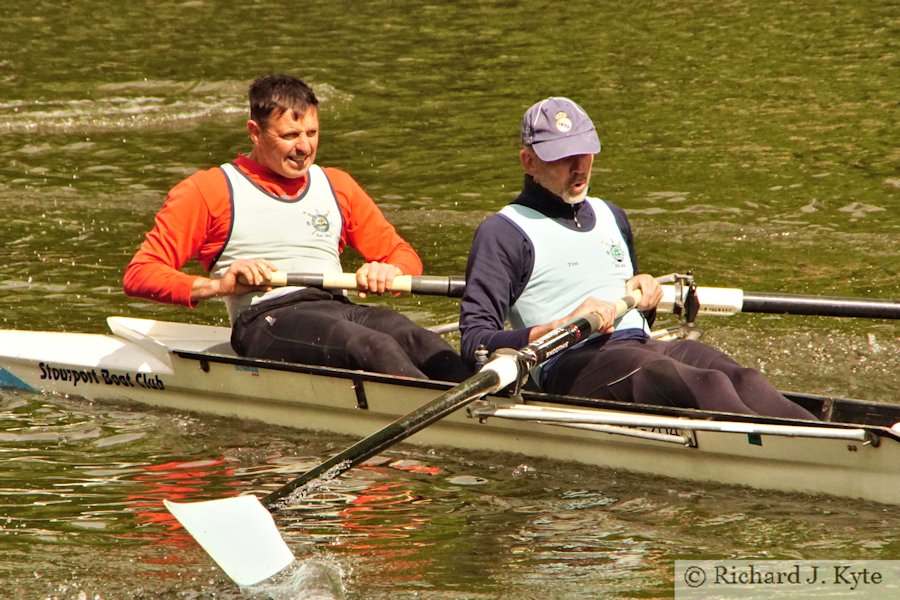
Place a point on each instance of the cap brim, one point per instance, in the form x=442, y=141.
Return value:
x=585, y=142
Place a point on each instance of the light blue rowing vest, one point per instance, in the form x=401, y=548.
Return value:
x=298, y=235
x=570, y=265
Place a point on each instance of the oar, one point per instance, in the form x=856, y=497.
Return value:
x=239, y=533
x=713, y=300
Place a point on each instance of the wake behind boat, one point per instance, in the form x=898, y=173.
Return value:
x=852, y=452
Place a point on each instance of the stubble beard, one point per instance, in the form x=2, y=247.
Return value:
x=578, y=198
x=570, y=198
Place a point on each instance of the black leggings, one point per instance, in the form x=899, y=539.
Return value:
x=316, y=327
x=683, y=373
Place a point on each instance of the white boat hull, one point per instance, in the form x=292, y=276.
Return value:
x=191, y=368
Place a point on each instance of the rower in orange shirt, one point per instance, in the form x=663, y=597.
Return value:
x=276, y=210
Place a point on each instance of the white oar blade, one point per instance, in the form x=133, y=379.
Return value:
x=238, y=533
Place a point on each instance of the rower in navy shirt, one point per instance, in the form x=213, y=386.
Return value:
x=555, y=254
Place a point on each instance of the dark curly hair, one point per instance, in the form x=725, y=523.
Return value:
x=275, y=93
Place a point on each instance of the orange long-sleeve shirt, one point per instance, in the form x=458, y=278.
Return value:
x=195, y=220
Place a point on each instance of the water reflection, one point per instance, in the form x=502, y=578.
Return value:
x=88, y=480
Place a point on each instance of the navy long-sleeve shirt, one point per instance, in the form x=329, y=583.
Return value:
x=500, y=264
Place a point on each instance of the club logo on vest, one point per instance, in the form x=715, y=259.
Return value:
x=614, y=250
x=319, y=221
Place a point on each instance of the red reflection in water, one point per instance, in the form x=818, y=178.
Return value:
x=369, y=513
x=173, y=480
x=414, y=466
x=386, y=511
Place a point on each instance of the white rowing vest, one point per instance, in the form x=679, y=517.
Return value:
x=570, y=265
x=298, y=235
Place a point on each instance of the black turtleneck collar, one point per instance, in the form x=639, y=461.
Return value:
x=574, y=216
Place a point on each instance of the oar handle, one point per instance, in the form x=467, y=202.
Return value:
x=561, y=338
x=431, y=285
x=627, y=302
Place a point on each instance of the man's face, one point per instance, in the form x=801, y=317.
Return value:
x=288, y=143
x=567, y=177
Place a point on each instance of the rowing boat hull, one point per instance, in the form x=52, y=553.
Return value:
x=191, y=368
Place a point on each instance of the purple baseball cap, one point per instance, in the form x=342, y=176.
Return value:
x=557, y=127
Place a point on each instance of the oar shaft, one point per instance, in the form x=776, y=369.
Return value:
x=730, y=301
x=485, y=381
x=825, y=306
x=495, y=375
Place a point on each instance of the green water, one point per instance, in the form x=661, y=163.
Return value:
x=753, y=142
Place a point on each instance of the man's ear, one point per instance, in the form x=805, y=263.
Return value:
x=254, y=130
x=527, y=158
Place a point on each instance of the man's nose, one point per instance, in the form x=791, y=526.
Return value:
x=303, y=144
